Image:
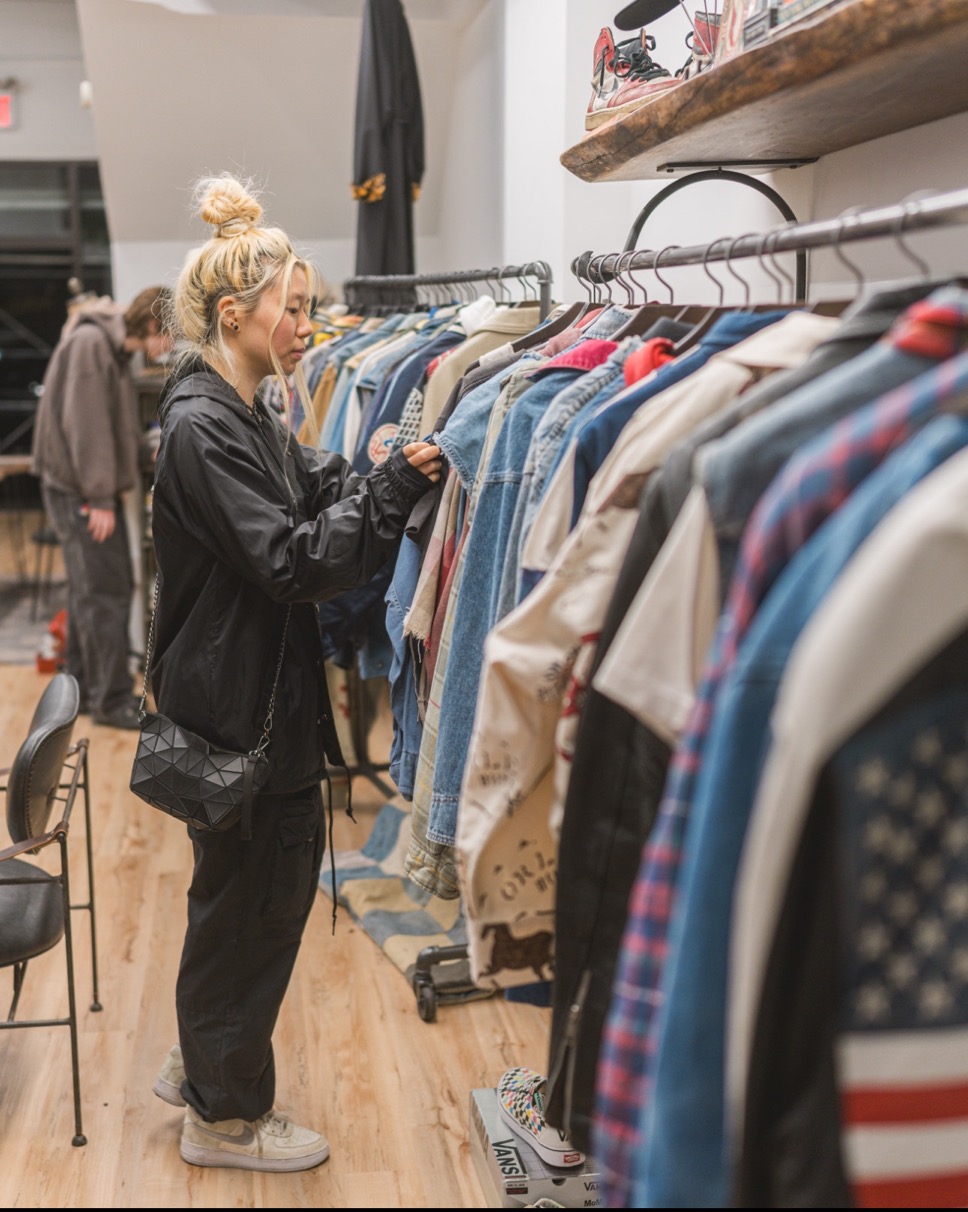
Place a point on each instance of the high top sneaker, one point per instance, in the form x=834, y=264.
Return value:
x=624, y=78
x=701, y=44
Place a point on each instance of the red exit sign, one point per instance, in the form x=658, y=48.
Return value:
x=6, y=111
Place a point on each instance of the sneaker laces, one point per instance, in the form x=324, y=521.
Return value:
x=274, y=1123
x=632, y=59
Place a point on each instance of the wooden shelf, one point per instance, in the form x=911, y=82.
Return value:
x=867, y=69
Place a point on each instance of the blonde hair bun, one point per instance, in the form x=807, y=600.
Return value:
x=227, y=205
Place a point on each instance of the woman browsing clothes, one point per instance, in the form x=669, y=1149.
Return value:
x=250, y=530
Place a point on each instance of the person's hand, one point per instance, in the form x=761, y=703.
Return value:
x=100, y=524
x=425, y=457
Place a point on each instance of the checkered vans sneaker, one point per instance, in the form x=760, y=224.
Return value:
x=168, y=1082
x=271, y=1143
x=519, y=1094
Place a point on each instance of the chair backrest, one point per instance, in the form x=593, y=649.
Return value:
x=36, y=773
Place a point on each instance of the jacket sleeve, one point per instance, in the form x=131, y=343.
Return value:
x=218, y=489
x=330, y=478
x=87, y=417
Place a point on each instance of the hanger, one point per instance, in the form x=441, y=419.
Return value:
x=572, y=314
x=595, y=268
x=579, y=267
x=911, y=204
x=836, y=307
x=649, y=312
x=770, y=273
x=748, y=306
x=770, y=243
x=700, y=329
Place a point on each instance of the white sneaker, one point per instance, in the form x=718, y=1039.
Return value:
x=271, y=1143
x=168, y=1082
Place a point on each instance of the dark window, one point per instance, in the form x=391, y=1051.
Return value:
x=53, y=243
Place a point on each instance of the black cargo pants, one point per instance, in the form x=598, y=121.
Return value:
x=247, y=908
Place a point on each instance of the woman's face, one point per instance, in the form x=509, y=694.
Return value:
x=259, y=331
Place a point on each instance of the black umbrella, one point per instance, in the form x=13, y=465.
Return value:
x=388, y=155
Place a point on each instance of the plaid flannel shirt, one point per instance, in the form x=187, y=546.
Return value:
x=802, y=496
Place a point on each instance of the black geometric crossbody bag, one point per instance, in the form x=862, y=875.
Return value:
x=182, y=774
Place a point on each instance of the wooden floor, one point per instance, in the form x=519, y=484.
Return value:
x=353, y=1057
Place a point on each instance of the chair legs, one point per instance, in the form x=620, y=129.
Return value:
x=79, y=1137
x=79, y=782
x=83, y=785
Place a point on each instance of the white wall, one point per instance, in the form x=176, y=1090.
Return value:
x=267, y=89
x=40, y=47
x=505, y=90
x=472, y=169
x=557, y=216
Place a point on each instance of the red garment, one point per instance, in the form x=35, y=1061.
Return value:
x=588, y=353
x=653, y=354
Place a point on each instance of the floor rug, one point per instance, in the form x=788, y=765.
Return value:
x=400, y=917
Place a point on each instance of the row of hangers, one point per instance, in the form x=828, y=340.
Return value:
x=386, y=294
x=598, y=273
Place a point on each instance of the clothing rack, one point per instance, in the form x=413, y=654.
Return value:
x=367, y=286
x=364, y=289
x=920, y=214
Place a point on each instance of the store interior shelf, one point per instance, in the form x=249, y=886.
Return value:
x=865, y=69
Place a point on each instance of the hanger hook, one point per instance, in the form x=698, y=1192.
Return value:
x=855, y=270
x=603, y=278
x=774, y=239
x=607, y=275
x=631, y=255
x=655, y=270
x=705, y=268
x=729, y=269
x=912, y=205
x=620, y=261
x=770, y=273
x=579, y=268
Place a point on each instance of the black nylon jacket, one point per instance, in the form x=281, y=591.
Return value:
x=235, y=545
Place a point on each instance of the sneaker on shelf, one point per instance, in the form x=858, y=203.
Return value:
x=520, y=1095
x=701, y=40
x=271, y=1143
x=625, y=77
x=169, y=1080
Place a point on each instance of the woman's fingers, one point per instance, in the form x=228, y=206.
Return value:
x=425, y=457
x=421, y=452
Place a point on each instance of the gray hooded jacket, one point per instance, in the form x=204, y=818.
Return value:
x=86, y=433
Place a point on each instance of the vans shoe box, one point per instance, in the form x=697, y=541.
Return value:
x=513, y=1175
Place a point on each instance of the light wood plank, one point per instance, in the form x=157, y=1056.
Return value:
x=353, y=1056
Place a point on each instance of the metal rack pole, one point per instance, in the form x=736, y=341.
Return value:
x=923, y=214
x=539, y=271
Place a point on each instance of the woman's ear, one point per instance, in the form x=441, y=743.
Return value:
x=227, y=316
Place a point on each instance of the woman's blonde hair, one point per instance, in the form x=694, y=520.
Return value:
x=243, y=258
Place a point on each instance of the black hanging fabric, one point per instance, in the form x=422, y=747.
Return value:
x=389, y=143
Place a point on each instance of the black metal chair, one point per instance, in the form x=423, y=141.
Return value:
x=35, y=905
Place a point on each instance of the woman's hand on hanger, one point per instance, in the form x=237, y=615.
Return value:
x=425, y=457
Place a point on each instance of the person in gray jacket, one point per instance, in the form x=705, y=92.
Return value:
x=87, y=451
